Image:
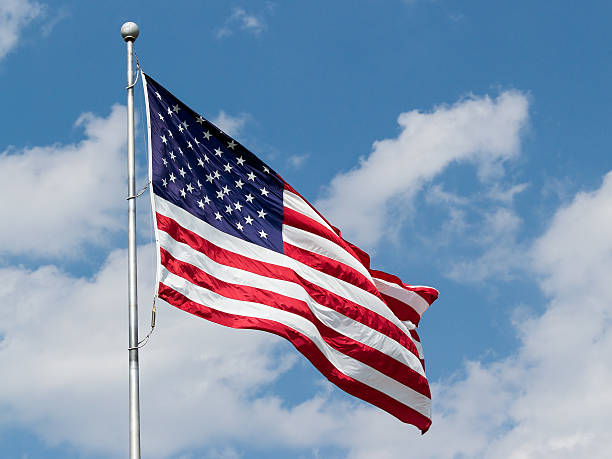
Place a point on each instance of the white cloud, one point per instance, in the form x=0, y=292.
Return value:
x=481, y=130
x=66, y=196
x=503, y=255
x=506, y=195
x=230, y=124
x=296, y=161
x=202, y=384
x=14, y=15
x=249, y=22
x=199, y=380
x=552, y=397
x=487, y=224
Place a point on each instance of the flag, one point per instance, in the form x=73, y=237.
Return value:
x=240, y=247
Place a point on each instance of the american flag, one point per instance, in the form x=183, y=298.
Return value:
x=240, y=247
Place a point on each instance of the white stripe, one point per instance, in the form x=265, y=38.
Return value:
x=345, y=364
x=419, y=348
x=318, y=244
x=256, y=252
x=295, y=202
x=417, y=343
x=329, y=317
x=412, y=299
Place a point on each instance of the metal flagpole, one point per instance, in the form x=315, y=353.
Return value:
x=129, y=32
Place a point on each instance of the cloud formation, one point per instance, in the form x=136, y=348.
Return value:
x=14, y=15
x=72, y=332
x=481, y=130
x=230, y=124
x=549, y=398
x=240, y=19
x=70, y=196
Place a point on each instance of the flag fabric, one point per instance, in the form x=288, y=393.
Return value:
x=240, y=247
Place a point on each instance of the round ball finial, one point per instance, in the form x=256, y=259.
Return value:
x=129, y=31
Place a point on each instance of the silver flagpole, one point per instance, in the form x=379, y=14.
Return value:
x=129, y=32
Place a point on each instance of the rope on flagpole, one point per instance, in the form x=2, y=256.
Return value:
x=140, y=193
x=137, y=71
x=145, y=340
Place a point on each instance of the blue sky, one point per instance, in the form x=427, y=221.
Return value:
x=464, y=144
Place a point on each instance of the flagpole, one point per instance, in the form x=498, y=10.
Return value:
x=129, y=32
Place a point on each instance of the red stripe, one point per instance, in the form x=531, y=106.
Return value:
x=357, y=350
x=340, y=270
x=330, y=266
x=402, y=310
x=322, y=296
x=303, y=222
x=429, y=294
x=305, y=346
x=295, y=192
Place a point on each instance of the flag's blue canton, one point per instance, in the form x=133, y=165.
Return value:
x=201, y=169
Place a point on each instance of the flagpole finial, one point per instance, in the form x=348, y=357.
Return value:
x=130, y=31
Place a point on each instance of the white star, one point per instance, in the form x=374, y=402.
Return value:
x=200, y=162
x=218, y=152
x=170, y=133
x=169, y=111
x=172, y=177
x=207, y=135
x=165, y=183
x=206, y=158
x=263, y=234
x=231, y=144
x=189, y=167
x=201, y=204
x=189, y=145
x=196, y=141
x=176, y=108
x=239, y=184
x=209, y=178
x=249, y=197
x=216, y=174
x=180, y=128
x=226, y=190
x=218, y=216
x=163, y=139
x=165, y=162
x=248, y=219
x=181, y=151
x=264, y=192
x=239, y=226
x=266, y=170
x=228, y=167
x=161, y=117
x=183, y=194
x=228, y=209
x=238, y=206
x=182, y=172
x=189, y=188
x=251, y=176
x=184, y=123
x=261, y=213
x=199, y=184
x=220, y=194
x=172, y=156
x=158, y=95
x=200, y=120
x=206, y=199
x=240, y=160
